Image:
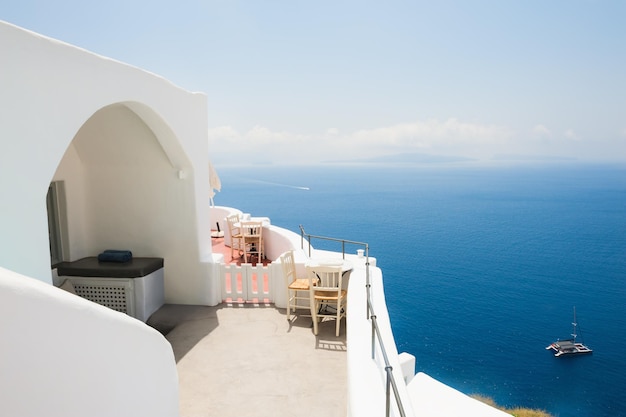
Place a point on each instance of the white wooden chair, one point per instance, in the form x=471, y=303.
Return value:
x=252, y=237
x=297, y=288
x=236, y=239
x=326, y=293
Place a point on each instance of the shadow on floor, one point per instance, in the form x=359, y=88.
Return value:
x=187, y=325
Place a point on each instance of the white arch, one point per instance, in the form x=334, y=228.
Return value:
x=50, y=91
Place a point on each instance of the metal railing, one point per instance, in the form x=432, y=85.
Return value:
x=303, y=234
x=391, y=381
x=391, y=384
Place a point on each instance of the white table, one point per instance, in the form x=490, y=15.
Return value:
x=345, y=264
x=346, y=267
x=264, y=220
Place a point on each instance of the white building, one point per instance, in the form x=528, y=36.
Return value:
x=114, y=157
x=127, y=153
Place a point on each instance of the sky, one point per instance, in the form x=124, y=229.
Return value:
x=314, y=81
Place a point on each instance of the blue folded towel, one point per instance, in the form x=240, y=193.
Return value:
x=125, y=251
x=113, y=255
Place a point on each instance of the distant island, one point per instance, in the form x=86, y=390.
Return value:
x=408, y=158
x=515, y=157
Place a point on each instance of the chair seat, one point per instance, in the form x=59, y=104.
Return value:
x=300, y=284
x=329, y=295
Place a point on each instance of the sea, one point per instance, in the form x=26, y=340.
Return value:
x=482, y=265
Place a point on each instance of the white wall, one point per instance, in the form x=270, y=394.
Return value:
x=279, y=240
x=49, y=91
x=366, y=378
x=61, y=355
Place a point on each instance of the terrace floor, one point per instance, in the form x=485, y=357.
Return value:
x=248, y=360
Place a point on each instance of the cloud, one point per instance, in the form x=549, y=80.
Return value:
x=571, y=135
x=225, y=137
x=541, y=131
x=434, y=134
x=223, y=132
x=449, y=137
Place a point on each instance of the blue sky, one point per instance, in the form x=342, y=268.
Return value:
x=331, y=80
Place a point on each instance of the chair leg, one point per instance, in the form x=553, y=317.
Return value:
x=314, y=317
x=235, y=247
x=288, y=304
x=338, y=324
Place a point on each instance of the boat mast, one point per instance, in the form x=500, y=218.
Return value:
x=574, y=324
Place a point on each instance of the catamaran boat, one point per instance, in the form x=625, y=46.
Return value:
x=569, y=346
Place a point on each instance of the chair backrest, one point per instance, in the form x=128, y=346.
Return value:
x=233, y=221
x=325, y=278
x=289, y=266
x=252, y=229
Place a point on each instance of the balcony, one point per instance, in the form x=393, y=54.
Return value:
x=245, y=360
x=243, y=357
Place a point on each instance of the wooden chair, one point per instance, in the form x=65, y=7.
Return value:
x=236, y=239
x=294, y=285
x=252, y=237
x=325, y=292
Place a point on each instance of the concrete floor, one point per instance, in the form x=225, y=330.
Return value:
x=246, y=360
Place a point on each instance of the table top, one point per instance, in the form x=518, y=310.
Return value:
x=345, y=264
x=263, y=220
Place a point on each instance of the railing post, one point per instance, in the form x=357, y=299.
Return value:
x=388, y=370
x=368, y=285
x=373, y=337
x=367, y=306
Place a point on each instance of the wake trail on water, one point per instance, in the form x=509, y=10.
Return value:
x=277, y=184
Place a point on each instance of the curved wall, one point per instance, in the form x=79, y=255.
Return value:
x=366, y=377
x=61, y=355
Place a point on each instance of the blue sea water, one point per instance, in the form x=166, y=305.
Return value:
x=482, y=267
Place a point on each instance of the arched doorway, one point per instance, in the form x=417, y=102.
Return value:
x=120, y=189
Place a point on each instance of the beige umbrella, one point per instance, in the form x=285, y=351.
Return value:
x=214, y=182
x=215, y=185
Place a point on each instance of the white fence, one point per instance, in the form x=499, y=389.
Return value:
x=246, y=283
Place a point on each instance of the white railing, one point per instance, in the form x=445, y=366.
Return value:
x=246, y=283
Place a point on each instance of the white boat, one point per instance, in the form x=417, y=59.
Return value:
x=569, y=346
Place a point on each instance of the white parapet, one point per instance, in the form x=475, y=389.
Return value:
x=407, y=363
x=63, y=355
